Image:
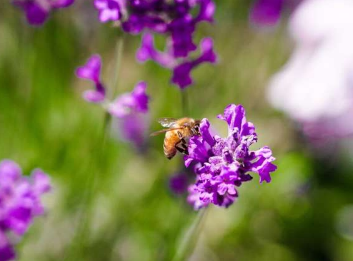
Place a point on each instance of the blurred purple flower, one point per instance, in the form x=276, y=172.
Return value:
x=176, y=19
x=178, y=183
x=91, y=71
x=133, y=129
x=266, y=12
x=109, y=10
x=130, y=109
x=222, y=164
x=38, y=11
x=127, y=103
x=20, y=202
x=315, y=87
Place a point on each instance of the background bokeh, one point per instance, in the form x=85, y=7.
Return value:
x=113, y=202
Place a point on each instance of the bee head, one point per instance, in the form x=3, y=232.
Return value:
x=197, y=127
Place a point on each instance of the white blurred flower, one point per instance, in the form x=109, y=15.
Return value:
x=315, y=87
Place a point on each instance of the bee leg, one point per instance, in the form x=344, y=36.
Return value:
x=182, y=147
x=180, y=136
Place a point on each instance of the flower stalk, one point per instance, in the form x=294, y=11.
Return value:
x=117, y=65
x=190, y=238
x=184, y=103
x=83, y=228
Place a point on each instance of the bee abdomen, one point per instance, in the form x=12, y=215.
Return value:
x=169, y=151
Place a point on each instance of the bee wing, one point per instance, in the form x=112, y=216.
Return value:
x=167, y=122
x=163, y=131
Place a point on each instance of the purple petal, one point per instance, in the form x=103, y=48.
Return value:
x=20, y=219
x=109, y=10
x=136, y=101
x=7, y=253
x=35, y=13
x=182, y=72
x=207, y=53
x=9, y=170
x=62, y=3
x=133, y=128
x=41, y=181
x=205, y=132
x=91, y=70
x=181, y=75
x=147, y=51
x=182, y=30
x=178, y=183
x=93, y=96
x=207, y=10
x=234, y=115
x=262, y=165
x=266, y=12
x=140, y=97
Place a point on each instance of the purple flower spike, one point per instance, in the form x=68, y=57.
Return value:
x=125, y=104
x=177, y=20
x=109, y=10
x=37, y=11
x=222, y=164
x=20, y=203
x=266, y=12
x=91, y=71
x=182, y=72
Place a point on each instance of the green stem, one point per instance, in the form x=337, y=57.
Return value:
x=190, y=238
x=184, y=103
x=82, y=232
x=117, y=67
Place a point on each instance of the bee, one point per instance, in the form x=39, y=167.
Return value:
x=177, y=134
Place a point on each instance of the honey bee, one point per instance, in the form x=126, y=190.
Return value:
x=177, y=134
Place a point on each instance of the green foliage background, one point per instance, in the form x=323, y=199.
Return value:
x=112, y=202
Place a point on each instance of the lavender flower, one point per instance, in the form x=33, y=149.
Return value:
x=176, y=19
x=222, y=164
x=38, y=11
x=91, y=71
x=20, y=202
x=129, y=109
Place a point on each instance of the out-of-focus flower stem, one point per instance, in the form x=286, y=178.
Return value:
x=184, y=103
x=114, y=83
x=117, y=66
x=189, y=239
x=83, y=228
